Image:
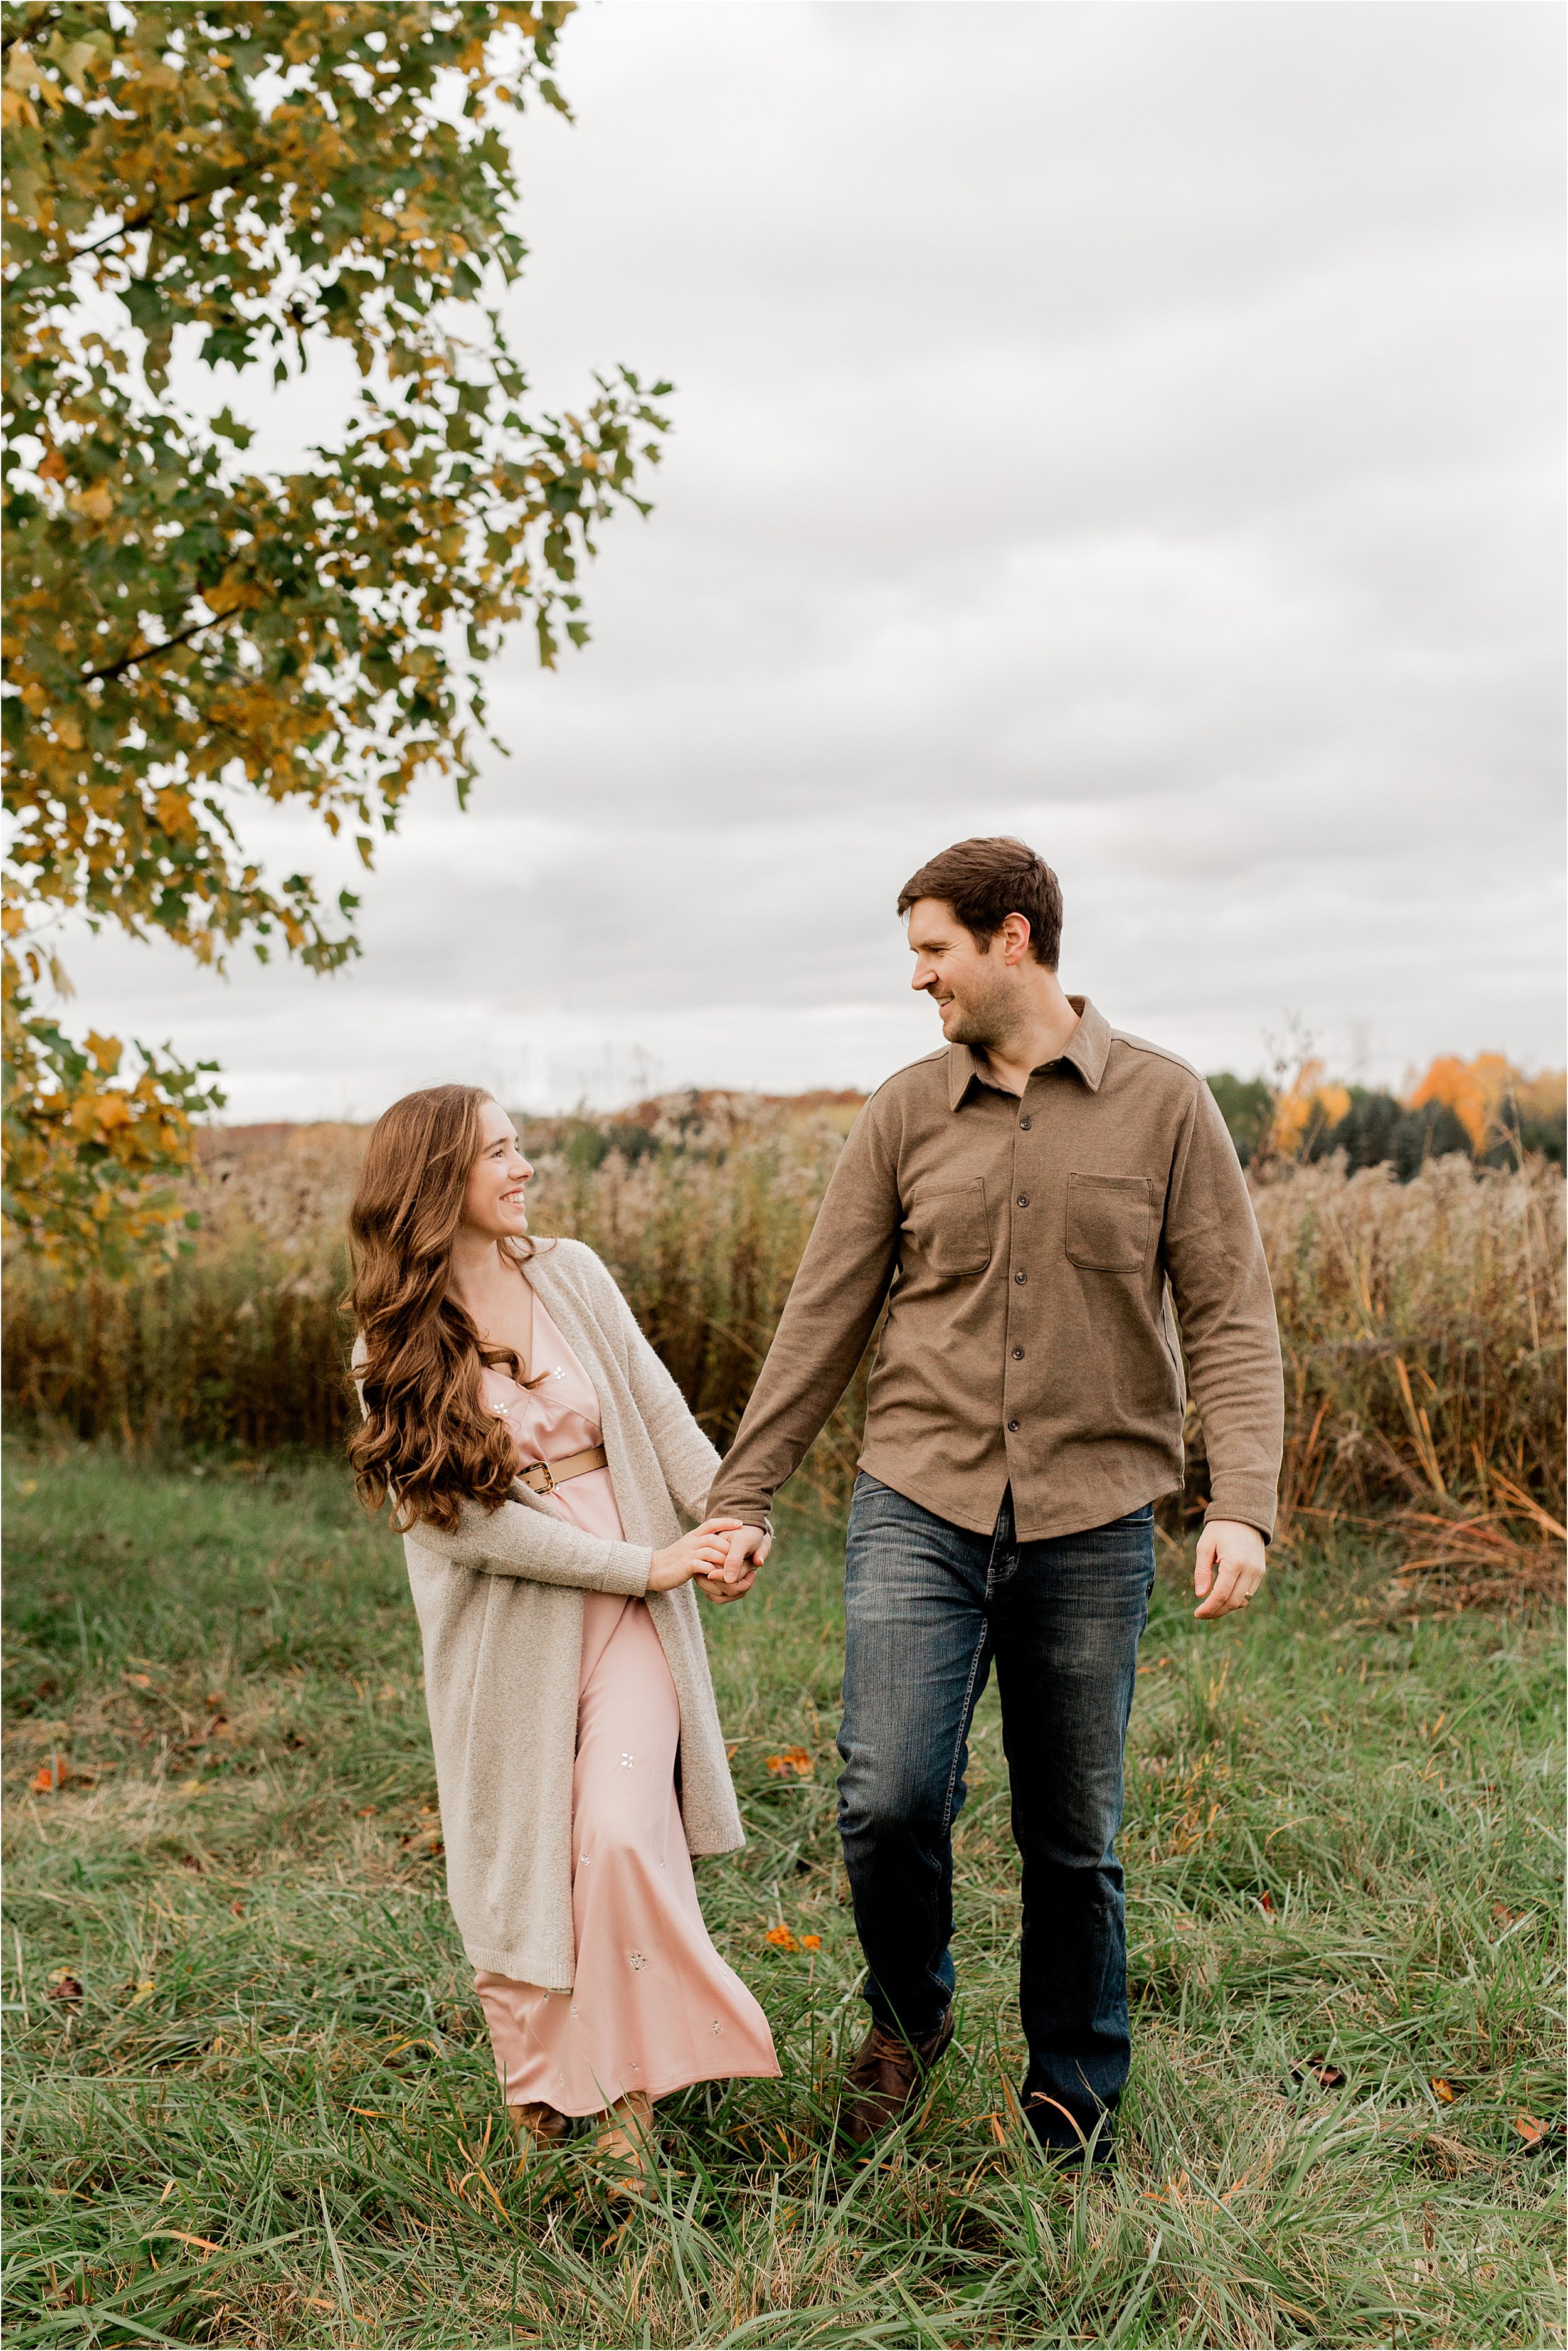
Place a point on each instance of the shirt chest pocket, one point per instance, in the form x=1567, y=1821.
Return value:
x=948, y=1228
x=1108, y=1222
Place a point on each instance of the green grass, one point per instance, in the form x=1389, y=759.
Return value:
x=1340, y=1843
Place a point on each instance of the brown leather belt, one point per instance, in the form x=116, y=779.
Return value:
x=544, y=1476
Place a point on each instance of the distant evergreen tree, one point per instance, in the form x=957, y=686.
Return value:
x=1380, y=1131
x=1246, y=1105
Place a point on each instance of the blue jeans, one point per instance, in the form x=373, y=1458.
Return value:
x=928, y=1607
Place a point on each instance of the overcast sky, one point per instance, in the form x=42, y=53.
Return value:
x=1138, y=428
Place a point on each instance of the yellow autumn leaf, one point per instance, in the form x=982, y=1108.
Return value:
x=173, y=811
x=80, y=57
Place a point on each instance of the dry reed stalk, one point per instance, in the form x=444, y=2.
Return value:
x=1471, y=1563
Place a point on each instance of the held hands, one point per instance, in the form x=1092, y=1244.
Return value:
x=702, y=1552
x=747, y=1548
x=1231, y=1566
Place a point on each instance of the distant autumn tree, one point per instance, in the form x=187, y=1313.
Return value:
x=239, y=184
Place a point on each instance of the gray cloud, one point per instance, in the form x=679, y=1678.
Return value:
x=1134, y=427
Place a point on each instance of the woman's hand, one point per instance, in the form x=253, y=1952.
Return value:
x=698, y=1553
x=748, y=1549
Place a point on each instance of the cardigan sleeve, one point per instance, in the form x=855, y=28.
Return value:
x=518, y=1539
x=686, y=1456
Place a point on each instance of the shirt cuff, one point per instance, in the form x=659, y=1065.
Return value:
x=1245, y=1499
x=750, y=1513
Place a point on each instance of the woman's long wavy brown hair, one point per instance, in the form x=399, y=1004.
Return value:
x=426, y=1437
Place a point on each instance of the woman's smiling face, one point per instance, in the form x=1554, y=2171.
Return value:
x=493, y=1202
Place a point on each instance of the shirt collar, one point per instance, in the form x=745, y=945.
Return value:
x=1088, y=1049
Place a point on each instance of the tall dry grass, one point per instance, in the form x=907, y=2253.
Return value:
x=1422, y=1323
x=1423, y=1329
x=1422, y=1326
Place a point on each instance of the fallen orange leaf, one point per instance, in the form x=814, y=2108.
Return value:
x=1444, y=2090
x=794, y=1759
x=1530, y=2128
x=52, y=1776
x=810, y=1942
x=781, y=1938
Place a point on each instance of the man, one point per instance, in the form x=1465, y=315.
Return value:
x=1028, y=1203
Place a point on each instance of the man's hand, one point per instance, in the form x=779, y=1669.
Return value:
x=748, y=1547
x=1231, y=1566
x=702, y=1552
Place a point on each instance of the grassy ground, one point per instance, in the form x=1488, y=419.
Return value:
x=269, y=2119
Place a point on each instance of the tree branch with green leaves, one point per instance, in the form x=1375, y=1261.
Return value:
x=236, y=185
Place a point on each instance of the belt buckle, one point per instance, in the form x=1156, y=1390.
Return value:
x=549, y=1486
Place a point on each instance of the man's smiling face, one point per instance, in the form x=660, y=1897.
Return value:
x=973, y=988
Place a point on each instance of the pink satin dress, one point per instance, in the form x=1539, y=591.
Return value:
x=654, y=2006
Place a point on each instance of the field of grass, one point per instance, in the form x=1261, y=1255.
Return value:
x=250, y=2099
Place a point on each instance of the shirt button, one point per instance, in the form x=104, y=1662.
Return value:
x=1020, y=1277
x=1025, y=1123
x=1012, y=1428
x=1023, y=1199
x=1017, y=1354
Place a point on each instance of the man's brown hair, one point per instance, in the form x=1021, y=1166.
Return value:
x=984, y=882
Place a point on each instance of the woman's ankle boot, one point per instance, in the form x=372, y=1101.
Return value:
x=624, y=2147
x=535, y=2127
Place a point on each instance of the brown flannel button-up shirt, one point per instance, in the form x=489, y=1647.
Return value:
x=1028, y=1250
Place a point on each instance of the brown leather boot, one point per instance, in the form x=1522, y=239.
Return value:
x=883, y=2076
x=537, y=2126
x=625, y=2149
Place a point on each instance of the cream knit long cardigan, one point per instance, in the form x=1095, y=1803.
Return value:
x=500, y=1612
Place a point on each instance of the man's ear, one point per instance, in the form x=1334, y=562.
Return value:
x=1015, y=937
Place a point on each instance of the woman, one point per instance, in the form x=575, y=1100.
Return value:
x=535, y=1451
